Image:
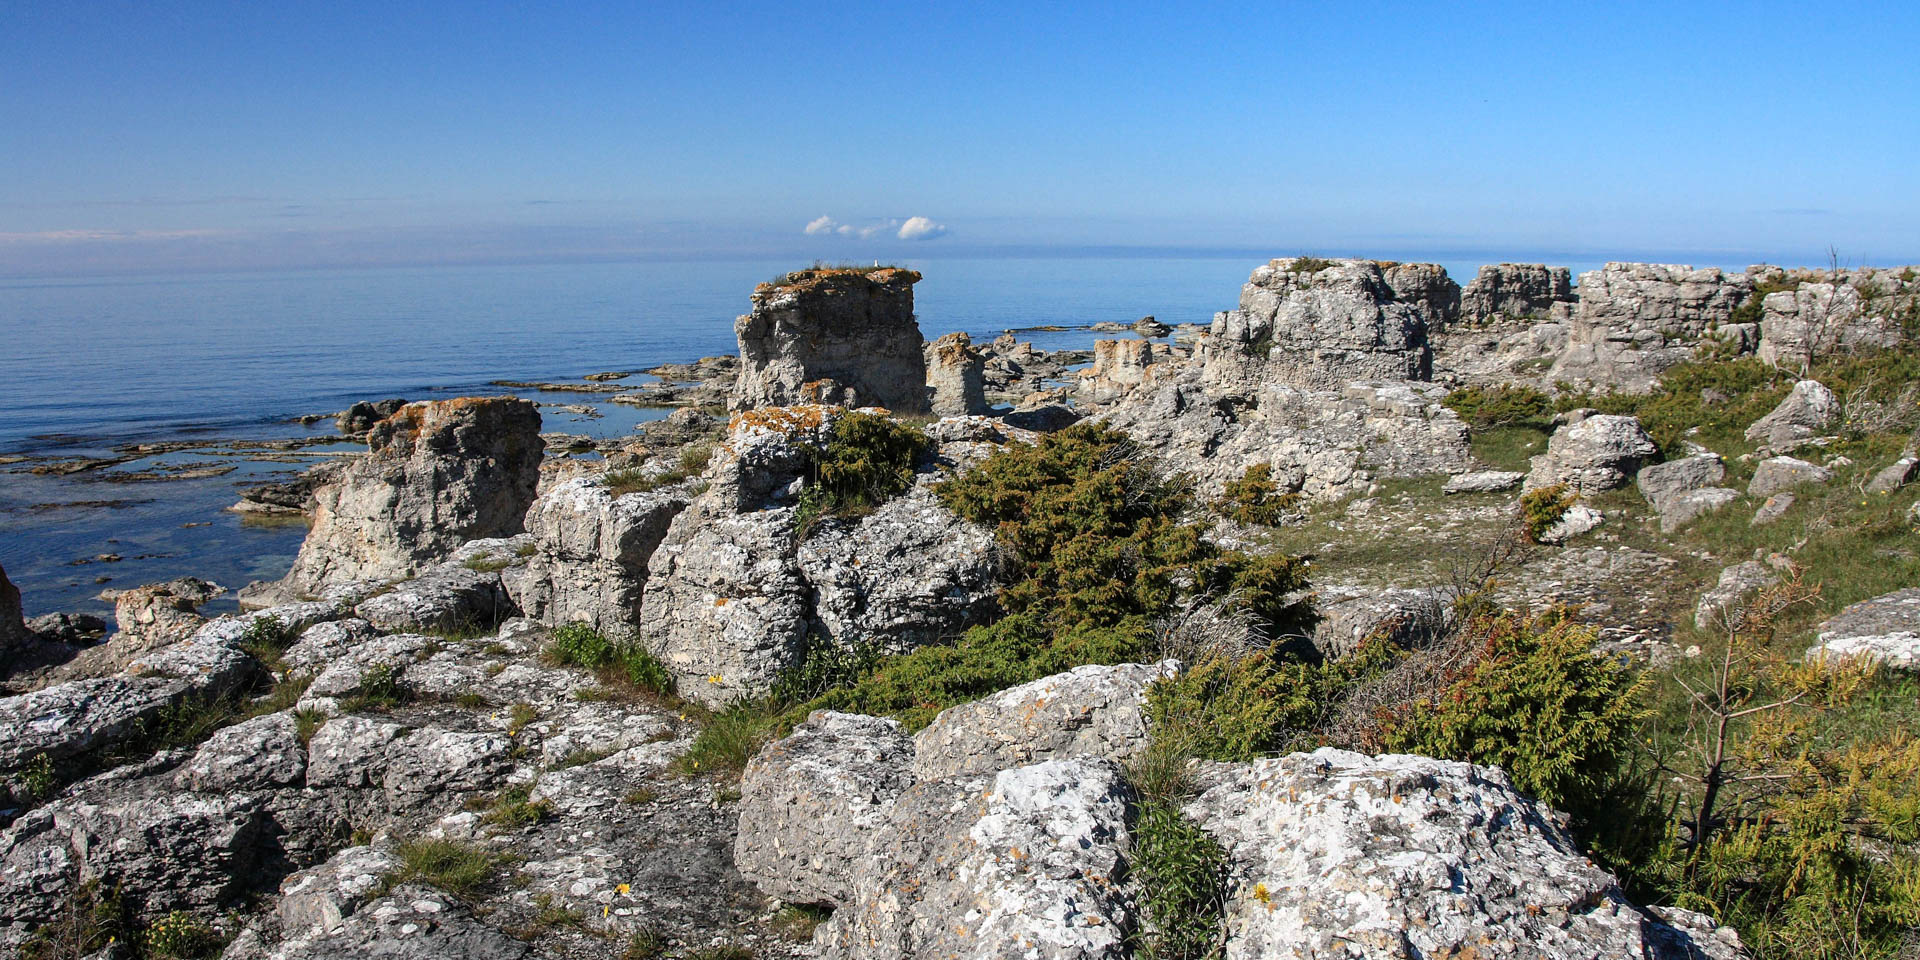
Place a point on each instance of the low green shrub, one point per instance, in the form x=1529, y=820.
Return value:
x=1183, y=882
x=1542, y=508
x=178, y=935
x=1532, y=698
x=1308, y=264
x=691, y=462
x=1502, y=405
x=867, y=460
x=1255, y=498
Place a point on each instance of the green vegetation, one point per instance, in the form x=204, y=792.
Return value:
x=266, y=639
x=722, y=952
x=624, y=664
x=1505, y=405
x=178, y=935
x=796, y=922
x=95, y=919
x=488, y=564
x=380, y=691
x=868, y=459
x=548, y=916
x=691, y=463
x=1097, y=549
x=512, y=807
x=645, y=943
x=459, y=869
x=1308, y=264
x=1542, y=508
x=581, y=756
x=1255, y=498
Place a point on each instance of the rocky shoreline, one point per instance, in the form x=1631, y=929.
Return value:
x=469, y=720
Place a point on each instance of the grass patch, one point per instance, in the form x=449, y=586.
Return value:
x=726, y=951
x=512, y=807
x=732, y=736
x=645, y=943
x=457, y=868
x=488, y=564
x=691, y=462
x=796, y=922
x=548, y=916
x=615, y=663
x=1509, y=447
x=581, y=756
x=380, y=691
x=308, y=722
x=640, y=796
x=518, y=716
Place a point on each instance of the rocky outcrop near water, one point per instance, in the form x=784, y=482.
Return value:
x=436, y=475
x=733, y=594
x=1427, y=289
x=590, y=550
x=1636, y=320
x=1320, y=324
x=361, y=417
x=1527, y=291
x=956, y=376
x=13, y=628
x=838, y=336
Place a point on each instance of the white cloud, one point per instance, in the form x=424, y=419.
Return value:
x=912, y=228
x=920, y=228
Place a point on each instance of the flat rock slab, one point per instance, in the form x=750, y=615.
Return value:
x=1885, y=629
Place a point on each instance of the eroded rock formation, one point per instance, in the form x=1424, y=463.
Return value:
x=846, y=337
x=956, y=377
x=436, y=475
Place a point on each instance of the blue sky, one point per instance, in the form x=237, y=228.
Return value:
x=142, y=135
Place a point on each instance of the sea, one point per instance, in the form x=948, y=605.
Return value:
x=90, y=366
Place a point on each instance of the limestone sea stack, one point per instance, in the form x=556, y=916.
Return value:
x=831, y=335
x=437, y=474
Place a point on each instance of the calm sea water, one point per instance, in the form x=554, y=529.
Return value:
x=89, y=364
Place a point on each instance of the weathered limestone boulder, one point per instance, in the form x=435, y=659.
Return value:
x=1777, y=474
x=726, y=608
x=853, y=328
x=1684, y=508
x=1483, y=481
x=67, y=628
x=906, y=575
x=1525, y=290
x=1321, y=444
x=437, y=475
x=1895, y=475
x=1025, y=863
x=1635, y=320
x=1775, y=508
x=1320, y=324
x=1599, y=453
x=1092, y=711
x=1806, y=412
x=158, y=614
x=177, y=851
x=412, y=922
x=449, y=597
x=812, y=805
x=591, y=550
x=361, y=417
x=956, y=375
x=1885, y=630
x=257, y=754
x=1828, y=311
x=80, y=716
x=1579, y=518
x=1735, y=585
x=1350, y=617
x=1662, y=482
x=1336, y=854
x=1427, y=289
x=1119, y=366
